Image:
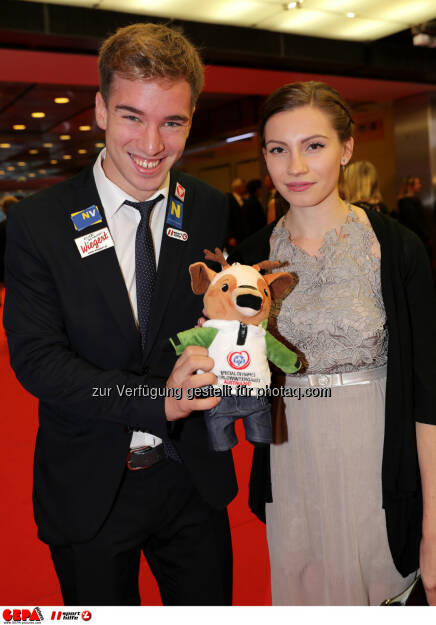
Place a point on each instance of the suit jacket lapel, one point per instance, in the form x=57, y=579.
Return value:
x=171, y=258
x=103, y=266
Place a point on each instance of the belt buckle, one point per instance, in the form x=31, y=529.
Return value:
x=320, y=379
x=144, y=457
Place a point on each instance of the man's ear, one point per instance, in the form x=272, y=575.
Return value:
x=100, y=111
x=201, y=277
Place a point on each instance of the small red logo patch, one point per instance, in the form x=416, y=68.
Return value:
x=180, y=191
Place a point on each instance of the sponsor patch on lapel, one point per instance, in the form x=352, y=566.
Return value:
x=94, y=242
x=177, y=234
x=180, y=192
x=175, y=212
x=88, y=217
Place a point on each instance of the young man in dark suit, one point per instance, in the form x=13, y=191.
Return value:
x=96, y=281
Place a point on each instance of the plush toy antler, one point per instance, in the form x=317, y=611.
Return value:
x=218, y=257
x=268, y=265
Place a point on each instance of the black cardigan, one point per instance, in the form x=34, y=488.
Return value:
x=410, y=304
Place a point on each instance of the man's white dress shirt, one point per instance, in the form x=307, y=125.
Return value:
x=123, y=221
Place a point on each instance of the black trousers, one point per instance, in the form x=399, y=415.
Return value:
x=157, y=511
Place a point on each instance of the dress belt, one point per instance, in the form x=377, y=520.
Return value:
x=364, y=376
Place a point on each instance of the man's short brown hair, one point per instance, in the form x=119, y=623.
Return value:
x=149, y=52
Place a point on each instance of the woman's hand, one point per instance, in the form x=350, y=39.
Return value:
x=427, y=557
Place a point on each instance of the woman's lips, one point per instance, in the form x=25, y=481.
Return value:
x=299, y=186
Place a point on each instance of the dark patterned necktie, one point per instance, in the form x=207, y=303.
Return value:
x=145, y=264
x=145, y=269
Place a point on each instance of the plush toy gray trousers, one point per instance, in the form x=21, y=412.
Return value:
x=255, y=413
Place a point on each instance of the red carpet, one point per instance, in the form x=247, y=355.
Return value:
x=27, y=575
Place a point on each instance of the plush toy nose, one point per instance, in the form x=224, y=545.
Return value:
x=246, y=300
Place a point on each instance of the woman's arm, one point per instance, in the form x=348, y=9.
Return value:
x=422, y=310
x=426, y=442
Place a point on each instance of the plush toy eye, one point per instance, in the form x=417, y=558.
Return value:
x=225, y=287
x=266, y=292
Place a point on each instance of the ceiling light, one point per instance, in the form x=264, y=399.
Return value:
x=33, y=151
x=54, y=161
x=99, y=145
x=42, y=171
x=291, y=5
x=38, y=114
x=82, y=151
x=2, y=172
x=247, y=135
x=19, y=127
x=84, y=128
x=32, y=175
x=21, y=163
x=10, y=168
x=67, y=157
x=22, y=178
x=61, y=100
x=47, y=145
x=5, y=145
x=350, y=14
x=64, y=137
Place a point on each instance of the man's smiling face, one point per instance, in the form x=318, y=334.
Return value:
x=147, y=123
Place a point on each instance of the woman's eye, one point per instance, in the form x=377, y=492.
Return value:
x=315, y=146
x=225, y=287
x=276, y=150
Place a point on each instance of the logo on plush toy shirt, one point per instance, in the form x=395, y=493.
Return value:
x=238, y=360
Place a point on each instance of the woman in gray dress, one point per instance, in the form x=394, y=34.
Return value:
x=329, y=504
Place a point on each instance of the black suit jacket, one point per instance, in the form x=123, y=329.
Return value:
x=71, y=330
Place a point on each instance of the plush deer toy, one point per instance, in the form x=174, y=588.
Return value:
x=237, y=301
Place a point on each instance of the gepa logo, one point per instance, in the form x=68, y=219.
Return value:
x=238, y=360
x=23, y=616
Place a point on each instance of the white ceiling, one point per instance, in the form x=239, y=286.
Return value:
x=318, y=18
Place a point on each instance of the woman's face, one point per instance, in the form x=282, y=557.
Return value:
x=416, y=185
x=303, y=155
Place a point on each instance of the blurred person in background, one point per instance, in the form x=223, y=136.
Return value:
x=361, y=187
x=236, y=199
x=276, y=206
x=411, y=211
x=6, y=202
x=252, y=214
x=270, y=192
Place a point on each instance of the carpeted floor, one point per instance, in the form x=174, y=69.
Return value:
x=27, y=575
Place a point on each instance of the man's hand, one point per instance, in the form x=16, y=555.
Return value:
x=183, y=376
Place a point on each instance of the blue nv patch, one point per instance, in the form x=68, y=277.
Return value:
x=88, y=217
x=175, y=212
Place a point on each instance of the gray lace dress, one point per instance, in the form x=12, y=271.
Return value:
x=326, y=527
